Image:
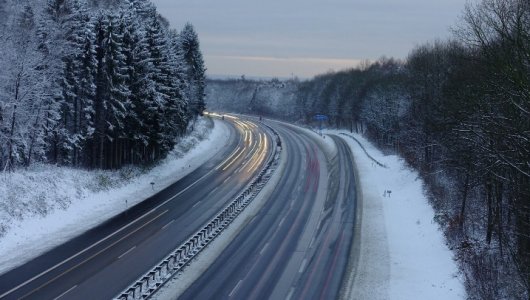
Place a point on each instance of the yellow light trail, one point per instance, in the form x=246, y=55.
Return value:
x=233, y=160
x=231, y=155
x=261, y=156
x=256, y=145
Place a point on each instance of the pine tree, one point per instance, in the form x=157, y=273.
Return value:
x=108, y=87
x=160, y=76
x=117, y=102
x=196, y=71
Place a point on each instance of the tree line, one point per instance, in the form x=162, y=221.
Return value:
x=96, y=84
x=458, y=111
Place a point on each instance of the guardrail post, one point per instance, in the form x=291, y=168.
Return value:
x=177, y=260
x=137, y=292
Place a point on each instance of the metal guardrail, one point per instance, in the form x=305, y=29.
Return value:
x=366, y=152
x=147, y=285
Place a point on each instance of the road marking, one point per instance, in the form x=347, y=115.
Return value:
x=198, y=202
x=115, y=232
x=107, y=237
x=227, y=178
x=69, y=290
x=281, y=222
x=312, y=241
x=213, y=191
x=165, y=226
x=253, y=219
x=84, y=261
x=235, y=288
x=302, y=266
x=264, y=248
x=290, y=295
x=126, y=252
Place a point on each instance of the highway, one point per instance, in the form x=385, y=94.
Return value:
x=298, y=245
x=102, y=262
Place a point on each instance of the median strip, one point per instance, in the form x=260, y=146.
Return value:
x=148, y=284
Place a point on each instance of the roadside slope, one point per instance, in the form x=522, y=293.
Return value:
x=402, y=251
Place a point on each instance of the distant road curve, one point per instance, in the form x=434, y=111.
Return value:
x=298, y=245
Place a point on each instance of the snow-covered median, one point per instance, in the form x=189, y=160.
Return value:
x=46, y=205
x=402, y=254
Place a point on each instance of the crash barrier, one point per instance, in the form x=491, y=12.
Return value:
x=366, y=152
x=147, y=285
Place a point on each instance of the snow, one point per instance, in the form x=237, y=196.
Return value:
x=46, y=205
x=327, y=144
x=402, y=254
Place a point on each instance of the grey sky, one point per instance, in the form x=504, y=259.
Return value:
x=307, y=37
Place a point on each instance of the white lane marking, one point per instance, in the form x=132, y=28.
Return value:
x=290, y=295
x=227, y=178
x=198, y=202
x=165, y=226
x=84, y=261
x=302, y=266
x=112, y=234
x=253, y=219
x=264, y=248
x=107, y=237
x=126, y=252
x=281, y=222
x=312, y=241
x=69, y=290
x=235, y=288
x=213, y=191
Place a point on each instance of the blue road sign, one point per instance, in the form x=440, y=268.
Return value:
x=321, y=117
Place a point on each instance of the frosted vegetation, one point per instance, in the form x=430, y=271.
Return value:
x=458, y=112
x=96, y=84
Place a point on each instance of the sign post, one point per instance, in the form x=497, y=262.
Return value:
x=321, y=118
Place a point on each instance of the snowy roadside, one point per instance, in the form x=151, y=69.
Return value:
x=46, y=205
x=402, y=254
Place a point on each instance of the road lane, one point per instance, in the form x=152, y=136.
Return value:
x=297, y=246
x=265, y=245
x=324, y=275
x=95, y=264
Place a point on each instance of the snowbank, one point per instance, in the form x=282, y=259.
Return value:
x=402, y=254
x=46, y=205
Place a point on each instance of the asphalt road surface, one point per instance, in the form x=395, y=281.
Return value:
x=297, y=246
x=102, y=262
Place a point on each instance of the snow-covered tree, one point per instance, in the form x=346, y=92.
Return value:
x=93, y=83
x=195, y=69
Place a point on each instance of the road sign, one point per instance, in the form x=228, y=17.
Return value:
x=321, y=117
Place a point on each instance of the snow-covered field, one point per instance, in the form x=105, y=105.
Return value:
x=403, y=254
x=46, y=205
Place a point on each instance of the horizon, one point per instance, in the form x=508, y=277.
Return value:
x=307, y=38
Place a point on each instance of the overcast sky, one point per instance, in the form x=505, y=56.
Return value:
x=307, y=37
